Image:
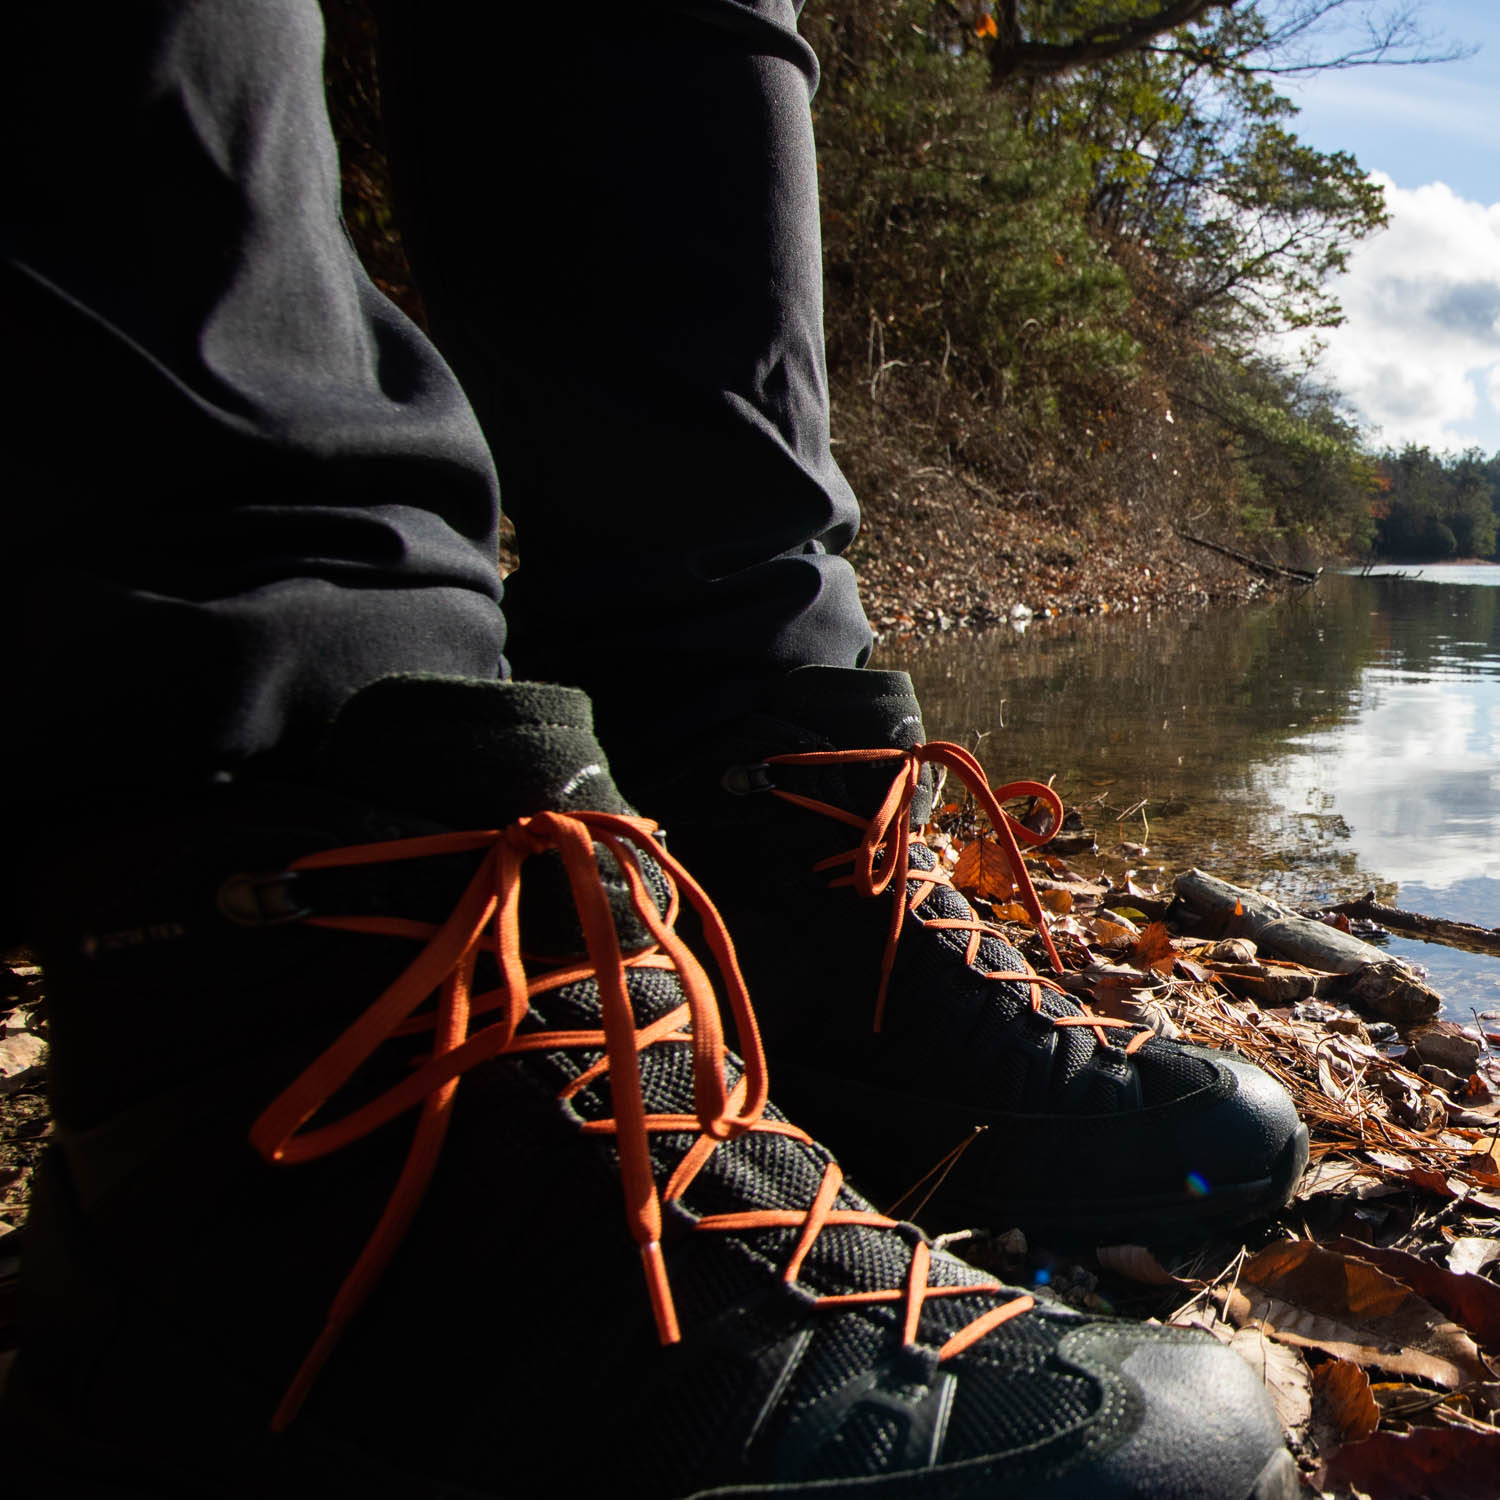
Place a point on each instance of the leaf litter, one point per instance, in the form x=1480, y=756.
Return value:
x=1370, y=1307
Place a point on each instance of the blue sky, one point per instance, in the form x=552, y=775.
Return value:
x=1419, y=355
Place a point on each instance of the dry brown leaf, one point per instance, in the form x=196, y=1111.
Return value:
x=983, y=870
x=1060, y=902
x=1430, y=1179
x=1323, y=1299
x=1240, y=950
x=1136, y=1262
x=1282, y=1371
x=1473, y=1301
x=1435, y=1463
x=1485, y=1160
x=1153, y=949
x=1344, y=1409
x=1114, y=929
x=1334, y=1175
x=1011, y=911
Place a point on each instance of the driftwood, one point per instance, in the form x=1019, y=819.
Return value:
x=1255, y=564
x=1383, y=984
x=1432, y=929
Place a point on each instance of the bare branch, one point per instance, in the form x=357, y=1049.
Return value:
x=1012, y=56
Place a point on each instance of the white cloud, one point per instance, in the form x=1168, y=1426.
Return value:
x=1436, y=826
x=1419, y=354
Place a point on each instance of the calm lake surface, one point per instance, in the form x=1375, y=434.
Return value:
x=1313, y=749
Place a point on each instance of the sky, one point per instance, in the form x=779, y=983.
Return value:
x=1418, y=357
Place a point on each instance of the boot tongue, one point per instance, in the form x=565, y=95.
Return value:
x=852, y=708
x=467, y=753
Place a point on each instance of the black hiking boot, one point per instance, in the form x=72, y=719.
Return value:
x=335, y=1205
x=913, y=1039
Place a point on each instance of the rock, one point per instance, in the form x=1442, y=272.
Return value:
x=21, y=1059
x=1449, y=1047
x=20, y=1050
x=1450, y=1082
x=1390, y=990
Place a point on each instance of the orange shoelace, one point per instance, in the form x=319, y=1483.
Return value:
x=882, y=859
x=486, y=919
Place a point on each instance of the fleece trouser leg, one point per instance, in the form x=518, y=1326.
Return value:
x=613, y=218
x=240, y=484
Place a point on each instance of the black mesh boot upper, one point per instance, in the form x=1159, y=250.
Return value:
x=523, y=1314
x=1095, y=1131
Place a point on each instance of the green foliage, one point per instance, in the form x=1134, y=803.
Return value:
x=1305, y=480
x=1435, y=507
x=953, y=249
x=1037, y=277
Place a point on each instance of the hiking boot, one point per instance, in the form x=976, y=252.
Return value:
x=911, y=1036
x=394, y=1160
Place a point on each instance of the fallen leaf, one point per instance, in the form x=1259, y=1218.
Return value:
x=1136, y=1262
x=1435, y=1463
x=1240, y=950
x=1485, y=1159
x=1322, y=1299
x=1471, y=1253
x=1344, y=1411
x=1011, y=911
x=1282, y=1371
x=1332, y=1175
x=1114, y=929
x=1060, y=902
x=1473, y=1301
x=983, y=870
x=1153, y=950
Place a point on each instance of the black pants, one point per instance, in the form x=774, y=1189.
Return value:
x=241, y=484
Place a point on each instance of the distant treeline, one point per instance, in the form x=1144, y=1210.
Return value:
x=1431, y=506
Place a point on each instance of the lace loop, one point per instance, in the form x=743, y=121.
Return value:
x=882, y=859
x=485, y=919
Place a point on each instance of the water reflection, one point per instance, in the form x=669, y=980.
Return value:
x=1315, y=749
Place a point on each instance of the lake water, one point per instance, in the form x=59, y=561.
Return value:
x=1314, y=749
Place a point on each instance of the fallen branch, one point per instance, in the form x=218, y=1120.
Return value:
x=1268, y=570
x=1433, y=929
x=1376, y=980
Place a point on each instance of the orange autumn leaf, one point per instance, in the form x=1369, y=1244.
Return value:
x=986, y=27
x=1153, y=949
x=1316, y=1298
x=1445, y=1463
x=982, y=870
x=1011, y=911
x=1342, y=1401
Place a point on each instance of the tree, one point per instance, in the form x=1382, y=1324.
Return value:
x=1034, y=277
x=1038, y=39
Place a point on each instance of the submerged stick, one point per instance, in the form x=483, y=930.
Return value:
x=1432, y=929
